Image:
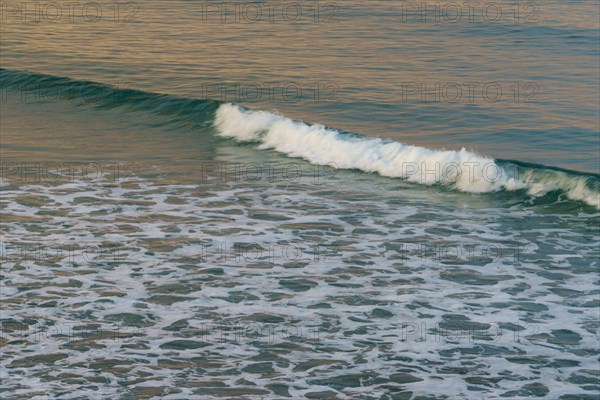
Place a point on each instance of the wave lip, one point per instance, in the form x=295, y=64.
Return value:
x=461, y=170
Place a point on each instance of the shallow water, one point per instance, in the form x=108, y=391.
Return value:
x=163, y=246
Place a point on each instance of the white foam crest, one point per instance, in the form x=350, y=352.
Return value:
x=462, y=170
x=574, y=186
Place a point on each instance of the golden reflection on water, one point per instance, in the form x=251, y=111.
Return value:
x=356, y=64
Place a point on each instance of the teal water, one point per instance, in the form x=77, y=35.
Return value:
x=159, y=241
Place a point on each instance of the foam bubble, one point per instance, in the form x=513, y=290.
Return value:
x=461, y=170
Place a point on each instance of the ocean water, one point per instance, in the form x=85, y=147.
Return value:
x=213, y=200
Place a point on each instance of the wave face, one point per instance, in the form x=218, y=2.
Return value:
x=461, y=170
x=28, y=87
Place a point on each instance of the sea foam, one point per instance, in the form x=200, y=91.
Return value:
x=462, y=170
